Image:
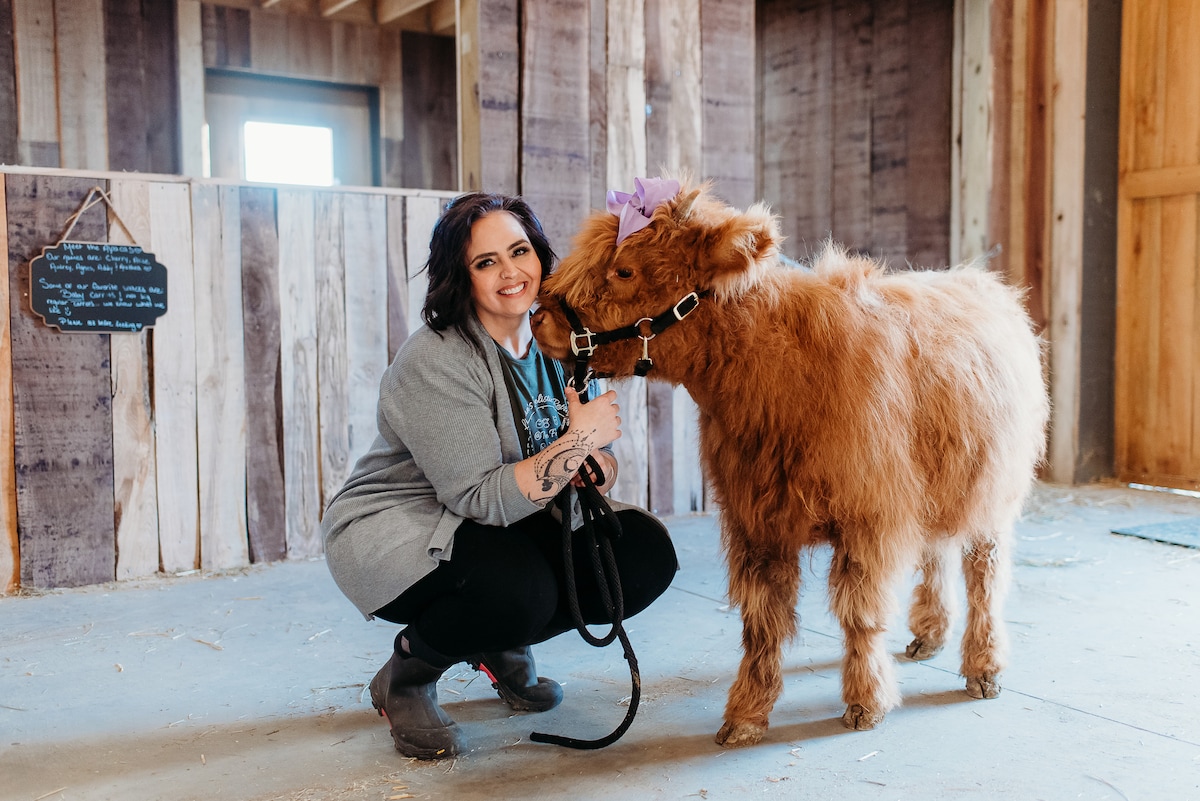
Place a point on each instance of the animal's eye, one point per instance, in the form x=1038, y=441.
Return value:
x=624, y=272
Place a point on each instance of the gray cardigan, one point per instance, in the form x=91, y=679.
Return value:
x=445, y=421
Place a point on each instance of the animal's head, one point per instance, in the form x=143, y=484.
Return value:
x=634, y=277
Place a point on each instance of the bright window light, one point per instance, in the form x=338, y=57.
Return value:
x=289, y=154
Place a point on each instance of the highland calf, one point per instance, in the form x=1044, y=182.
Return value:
x=898, y=417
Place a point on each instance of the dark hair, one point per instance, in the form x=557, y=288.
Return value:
x=448, y=301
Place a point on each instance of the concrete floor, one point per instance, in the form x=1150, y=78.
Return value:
x=251, y=686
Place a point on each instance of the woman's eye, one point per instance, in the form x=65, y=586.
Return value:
x=521, y=251
x=483, y=264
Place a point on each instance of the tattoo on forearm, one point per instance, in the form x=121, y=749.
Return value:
x=557, y=465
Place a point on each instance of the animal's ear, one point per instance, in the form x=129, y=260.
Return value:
x=683, y=209
x=739, y=248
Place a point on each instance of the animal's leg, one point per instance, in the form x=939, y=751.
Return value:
x=764, y=582
x=862, y=600
x=929, y=615
x=986, y=568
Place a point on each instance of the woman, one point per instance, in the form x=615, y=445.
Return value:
x=443, y=525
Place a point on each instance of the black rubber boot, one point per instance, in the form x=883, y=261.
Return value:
x=514, y=676
x=405, y=693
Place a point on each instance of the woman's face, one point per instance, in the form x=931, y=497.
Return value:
x=505, y=272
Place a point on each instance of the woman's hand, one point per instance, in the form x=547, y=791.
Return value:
x=593, y=425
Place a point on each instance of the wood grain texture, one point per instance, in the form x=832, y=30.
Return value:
x=220, y=376
x=9, y=149
x=420, y=216
x=555, y=153
x=82, y=110
x=162, y=87
x=10, y=552
x=265, y=521
x=625, y=98
x=173, y=341
x=135, y=488
x=889, y=138
x=927, y=195
x=298, y=372
x=598, y=99
x=499, y=93
x=852, y=70
x=62, y=414
x=429, y=157
x=190, y=47
x=730, y=126
x=37, y=82
x=333, y=402
x=397, y=260
x=365, y=244
x=125, y=89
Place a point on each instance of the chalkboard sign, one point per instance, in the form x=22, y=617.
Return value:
x=93, y=287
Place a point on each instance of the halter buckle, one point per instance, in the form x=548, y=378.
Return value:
x=691, y=299
x=588, y=348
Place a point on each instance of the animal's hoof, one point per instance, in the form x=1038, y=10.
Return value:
x=985, y=686
x=736, y=735
x=919, y=650
x=859, y=718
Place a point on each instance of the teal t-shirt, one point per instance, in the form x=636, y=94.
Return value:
x=537, y=390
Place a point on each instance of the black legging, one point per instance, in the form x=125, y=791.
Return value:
x=504, y=588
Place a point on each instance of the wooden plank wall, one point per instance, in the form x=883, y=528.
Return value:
x=1158, y=276
x=95, y=84
x=214, y=439
x=852, y=145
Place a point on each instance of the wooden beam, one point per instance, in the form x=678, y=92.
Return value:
x=442, y=17
x=269, y=3
x=391, y=10
x=331, y=7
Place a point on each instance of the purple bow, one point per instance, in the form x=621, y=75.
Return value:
x=635, y=210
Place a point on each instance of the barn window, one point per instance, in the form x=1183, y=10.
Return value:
x=277, y=152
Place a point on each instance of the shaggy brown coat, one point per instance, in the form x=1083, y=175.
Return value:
x=899, y=417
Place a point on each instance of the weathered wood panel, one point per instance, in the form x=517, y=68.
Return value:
x=173, y=339
x=397, y=259
x=135, y=498
x=125, y=76
x=79, y=54
x=726, y=73
x=927, y=194
x=10, y=557
x=625, y=97
x=161, y=64
x=490, y=86
x=62, y=397
x=556, y=162
x=852, y=70
x=1157, y=410
x=364, y=240
x=429, y=156
x=191, y=88
x=37, y=82
x=298, y=371
x=220, y=376
x=333, y=400
x=265, y=521
x=8, y=87
x=420, y=216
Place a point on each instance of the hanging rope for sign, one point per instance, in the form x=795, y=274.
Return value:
x=94, y=196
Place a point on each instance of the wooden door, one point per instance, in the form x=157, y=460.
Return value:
x=1157, y=402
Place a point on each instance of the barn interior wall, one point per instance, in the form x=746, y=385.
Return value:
x=1096, y=450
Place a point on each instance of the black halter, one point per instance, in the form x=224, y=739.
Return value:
x=584, y=341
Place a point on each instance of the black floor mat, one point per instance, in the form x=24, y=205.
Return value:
x=1185, y=532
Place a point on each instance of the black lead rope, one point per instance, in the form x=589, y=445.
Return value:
x=598, y=519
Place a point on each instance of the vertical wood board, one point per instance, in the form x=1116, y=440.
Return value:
x=420, y=216
x=365, y=244
x=852, y=73
x=37, y=80
x=889, y=133
x=730, y=125
x=10, y=557
x=128, y=114
x=174, y=339
x=265, y=520
x=220, y=376
x=333, y=399
x=9, y=148
x=135, y=488
x=298, y=371
x=555, y=154
x=82, y=110
x=62, y=396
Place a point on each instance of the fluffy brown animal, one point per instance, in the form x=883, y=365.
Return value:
x=898, y=417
